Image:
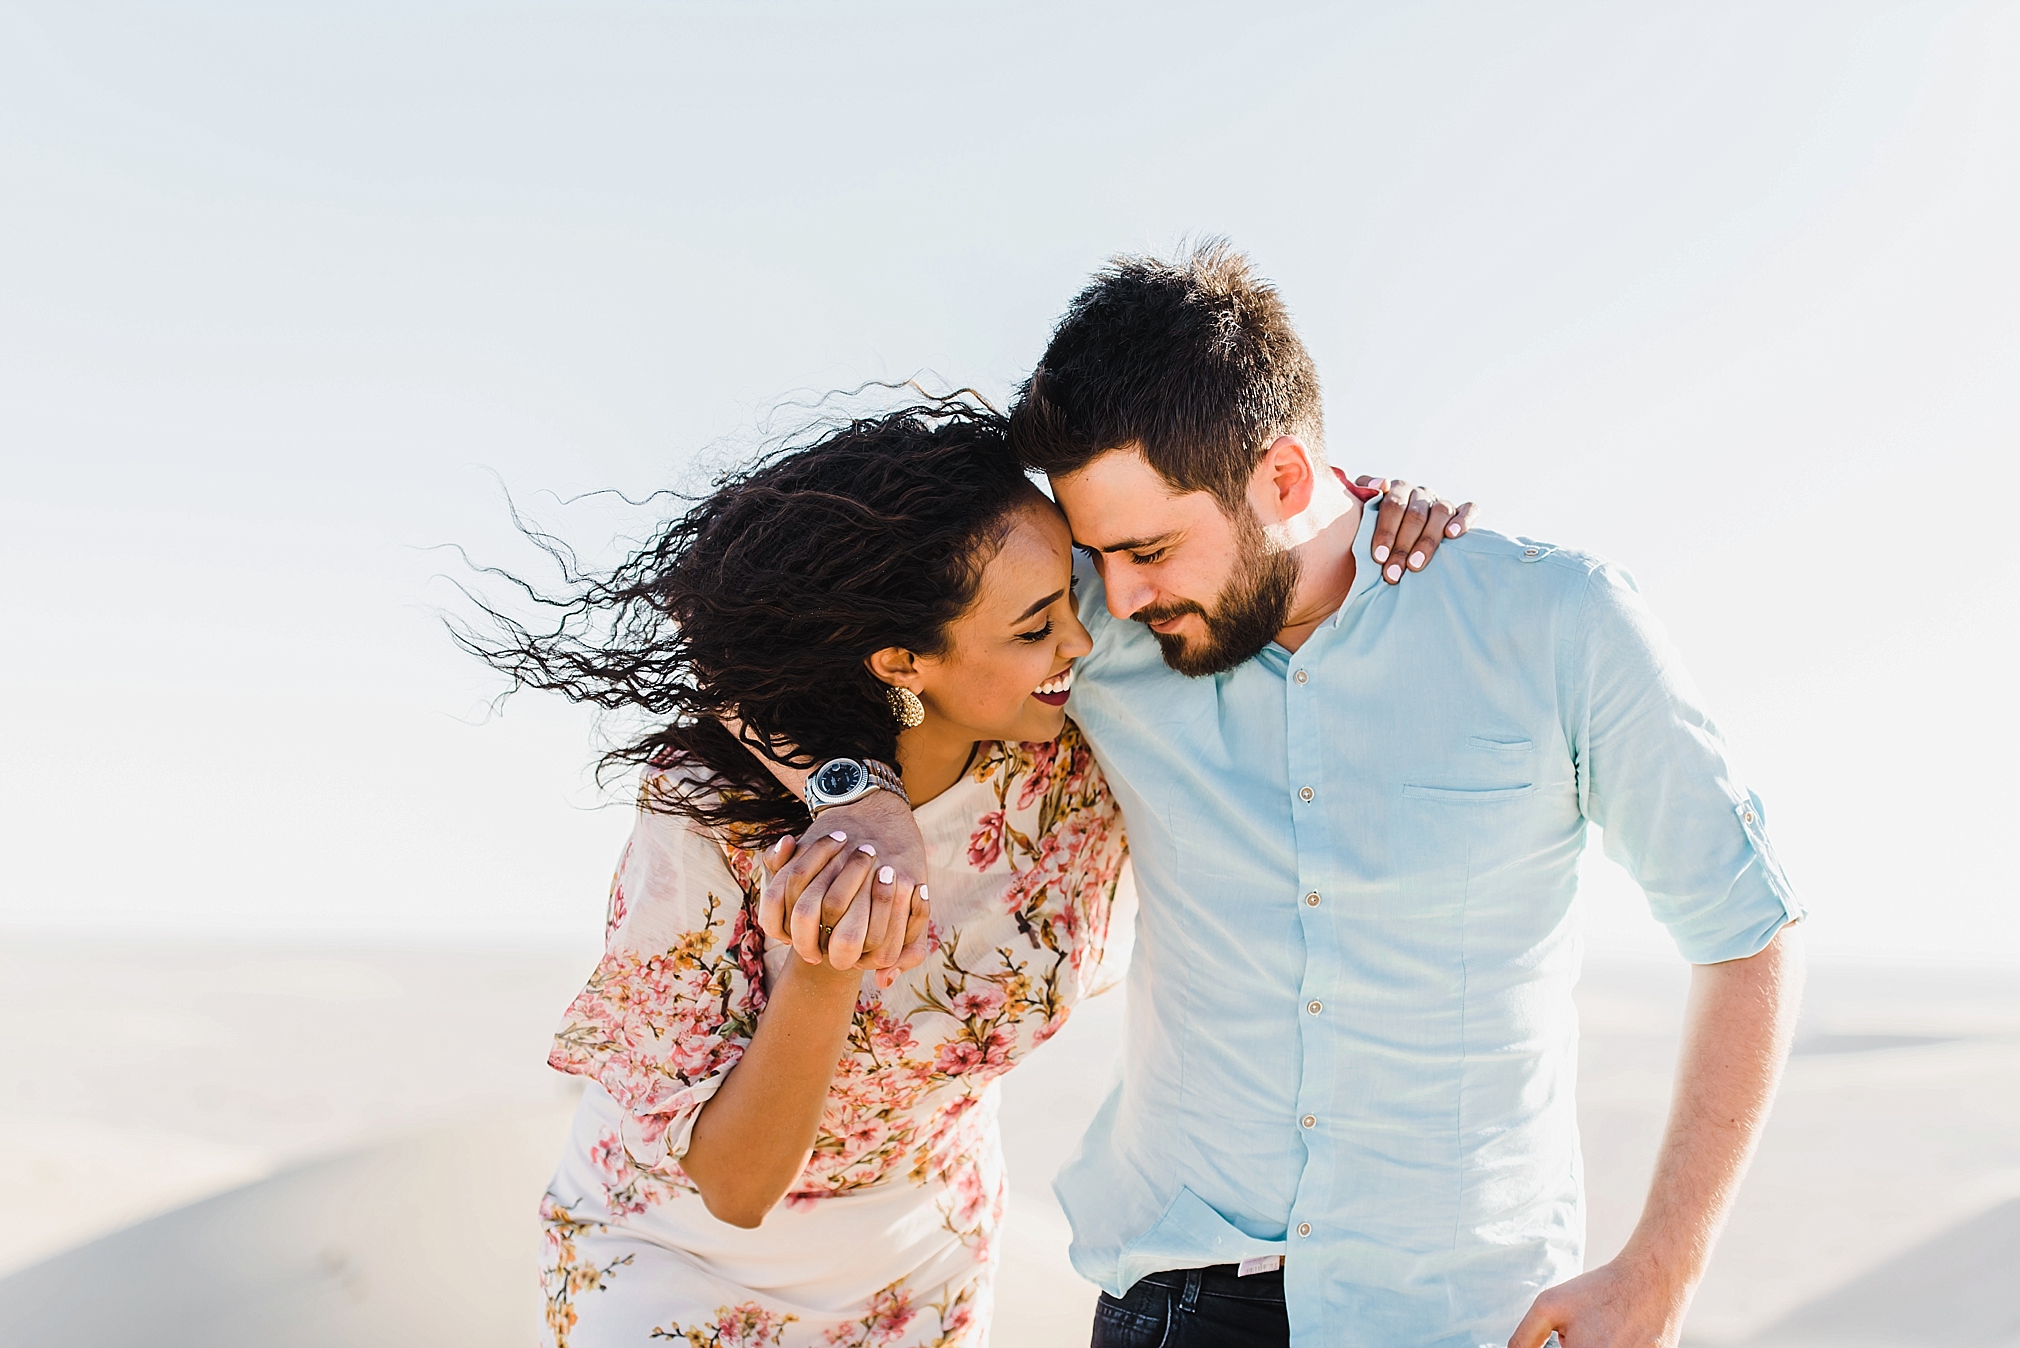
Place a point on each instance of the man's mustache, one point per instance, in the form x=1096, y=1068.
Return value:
x=1157, y=613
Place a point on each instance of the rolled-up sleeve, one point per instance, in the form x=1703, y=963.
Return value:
x=1654, y=774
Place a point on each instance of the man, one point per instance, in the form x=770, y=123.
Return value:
x=1345, y=1114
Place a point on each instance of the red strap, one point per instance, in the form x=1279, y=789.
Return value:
x=1360, y=493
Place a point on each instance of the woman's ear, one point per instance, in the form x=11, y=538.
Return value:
x=894, y=666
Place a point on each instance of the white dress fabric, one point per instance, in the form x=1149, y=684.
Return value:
x=888, y=1237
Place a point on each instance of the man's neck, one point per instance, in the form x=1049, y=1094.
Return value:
x=1322, y=535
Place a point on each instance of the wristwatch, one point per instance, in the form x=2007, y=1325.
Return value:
x=839, y=781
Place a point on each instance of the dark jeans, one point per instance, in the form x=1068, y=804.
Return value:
x=1196, y=1308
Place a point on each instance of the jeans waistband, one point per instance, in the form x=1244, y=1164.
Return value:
x=1222, y=1280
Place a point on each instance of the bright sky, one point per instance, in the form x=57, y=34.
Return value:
x=1725, y=291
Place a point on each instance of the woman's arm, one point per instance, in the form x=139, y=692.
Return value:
x=751, y=1140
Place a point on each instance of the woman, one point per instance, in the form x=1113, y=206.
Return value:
x=900, y=588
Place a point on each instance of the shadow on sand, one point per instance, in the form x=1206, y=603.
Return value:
x=1960, y=1289
x=430, y=1239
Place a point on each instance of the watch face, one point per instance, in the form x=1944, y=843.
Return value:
x=840, y=777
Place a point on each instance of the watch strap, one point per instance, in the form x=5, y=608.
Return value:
x=878, y=776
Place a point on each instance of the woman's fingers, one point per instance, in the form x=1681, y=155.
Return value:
x=918, y=931
x=1388, y=519
x=849, y=869
x=849, y=928
x=886, y=935
x=1427, y=521
x=789, y=865
x=1434, y=531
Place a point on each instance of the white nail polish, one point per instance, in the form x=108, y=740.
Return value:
x=1452, y=529
x=1394, y=573
x=1381, y=552
x=867, y=850
x=924, y=895
x=1416, y=561
x=886, y=875
x=839, y=836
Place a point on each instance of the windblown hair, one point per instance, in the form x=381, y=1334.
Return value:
x=1195, y=360
x=762, y=602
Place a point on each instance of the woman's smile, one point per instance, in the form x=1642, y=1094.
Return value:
x=1053, y=691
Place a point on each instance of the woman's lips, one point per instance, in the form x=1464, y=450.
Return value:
x=1051, y=699
x=1053, y=691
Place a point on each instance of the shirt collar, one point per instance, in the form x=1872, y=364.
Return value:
x=1366, y=574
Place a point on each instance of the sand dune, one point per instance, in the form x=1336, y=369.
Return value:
x=1956, y=1289
x=346, y=1193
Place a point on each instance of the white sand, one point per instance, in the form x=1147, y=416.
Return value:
x=344, y=1147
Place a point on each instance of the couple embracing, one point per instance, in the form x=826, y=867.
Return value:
x=908, y=718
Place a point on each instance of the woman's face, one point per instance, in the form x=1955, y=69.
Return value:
x=1009, y=658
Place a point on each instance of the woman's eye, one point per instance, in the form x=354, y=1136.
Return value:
x=1038, y=635
x=1089, y=553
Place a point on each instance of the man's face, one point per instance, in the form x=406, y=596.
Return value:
x=1211, y=587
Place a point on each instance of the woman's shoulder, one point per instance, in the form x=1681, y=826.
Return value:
x=668, y=788
x=676, y=874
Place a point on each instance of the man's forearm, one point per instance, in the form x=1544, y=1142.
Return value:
x=1740, y=1020
x=792, y=779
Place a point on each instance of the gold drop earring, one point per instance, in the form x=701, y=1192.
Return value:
x=905, y=705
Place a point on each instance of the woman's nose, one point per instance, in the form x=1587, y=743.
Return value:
x=1074, y=641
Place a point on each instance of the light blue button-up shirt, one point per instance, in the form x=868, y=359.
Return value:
x=1350, y=1034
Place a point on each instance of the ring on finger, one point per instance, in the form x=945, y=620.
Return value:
x=827, y=934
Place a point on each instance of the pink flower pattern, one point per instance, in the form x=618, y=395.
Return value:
x=657, y=1027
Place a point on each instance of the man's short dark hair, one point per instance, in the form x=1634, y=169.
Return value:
x=1195, y=360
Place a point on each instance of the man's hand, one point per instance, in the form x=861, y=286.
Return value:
x=1410, y=524
x=1617, y=1305
x=820, y=880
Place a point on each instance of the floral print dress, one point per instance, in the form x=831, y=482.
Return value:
x=888, y=1236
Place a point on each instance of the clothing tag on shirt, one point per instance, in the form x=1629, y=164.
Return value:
x=1267, y=1263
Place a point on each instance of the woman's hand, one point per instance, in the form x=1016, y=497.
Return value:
x=1410, y=525
x=832, y=897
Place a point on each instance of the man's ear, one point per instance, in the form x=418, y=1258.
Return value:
x=1285, y=479
x=893, y=665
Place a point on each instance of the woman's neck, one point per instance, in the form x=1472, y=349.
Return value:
x=932, y=757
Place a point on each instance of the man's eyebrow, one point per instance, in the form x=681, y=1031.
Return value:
x=1047, y=602
x=1129, y=544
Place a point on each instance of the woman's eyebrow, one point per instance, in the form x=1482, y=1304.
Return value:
x=1047, y=602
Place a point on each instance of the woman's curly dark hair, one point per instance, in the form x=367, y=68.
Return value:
x=762, y=602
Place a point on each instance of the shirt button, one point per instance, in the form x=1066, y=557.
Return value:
x=1310, y=1120
x=1304, y=793
x=1304, y=1228
x=1315, y=1007
x=1301, y=676
x=1748, y=816
x=1312, y=899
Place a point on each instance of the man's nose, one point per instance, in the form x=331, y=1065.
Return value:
x=1127, y=591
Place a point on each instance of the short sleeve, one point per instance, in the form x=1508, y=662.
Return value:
x=1654, y=773
x=675, y=999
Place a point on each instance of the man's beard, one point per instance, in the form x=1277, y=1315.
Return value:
x=1253, y=607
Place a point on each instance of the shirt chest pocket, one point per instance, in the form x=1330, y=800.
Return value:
x=1471, y=818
